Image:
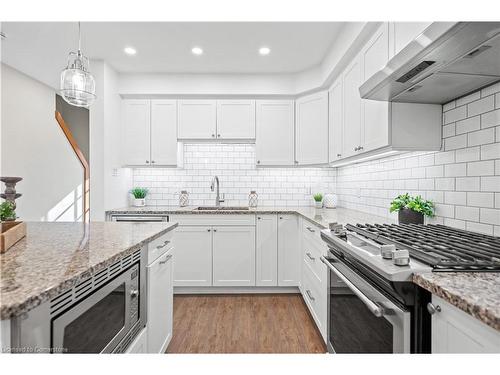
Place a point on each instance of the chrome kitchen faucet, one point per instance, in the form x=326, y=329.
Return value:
x=218, y=199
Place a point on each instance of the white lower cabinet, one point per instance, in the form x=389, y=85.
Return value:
x=193, y=256
x=160, y=303
x=454, y=331
x=234, y=256
x=266, y=257
x=140, y=343
x=288, y=250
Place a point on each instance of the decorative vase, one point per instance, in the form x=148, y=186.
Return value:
x=318, y=204
x=407, y=216
x=139, y=202
x=183, y=198
x=330, y=201
x=253, y=198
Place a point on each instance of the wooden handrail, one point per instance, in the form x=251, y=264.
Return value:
x=83, y=161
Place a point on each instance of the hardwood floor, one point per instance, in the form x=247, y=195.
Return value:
x=248, y=323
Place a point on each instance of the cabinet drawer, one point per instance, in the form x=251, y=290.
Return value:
x=214, y=219
x=311, y=257
x=160, y=246
x=314, y=293
x=312, y=237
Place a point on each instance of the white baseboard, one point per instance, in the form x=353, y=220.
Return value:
x=235, y=290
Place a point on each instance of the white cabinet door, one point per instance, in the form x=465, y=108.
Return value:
x=454, y=331
x=275, y=132
x=403, y=33
x=163, y=132
x=335, y=121
x=289, y=257
x=160, y=303
x=375, y=116
x=266, y=268
x=234, y=256
x=352, y=109
x=236, y=119
x=136, y=136
x=193, y=256
x=311, y=141
x=197, y=119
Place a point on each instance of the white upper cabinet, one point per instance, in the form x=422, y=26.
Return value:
x=335, y=121
x=163, y=132
x=275, y=132
x=311, y=129
x=402, y=33
x=375, y=116
x=136, y=132
x=197, y=119
x=236, y=119
x=352, y=109
x=150, y=132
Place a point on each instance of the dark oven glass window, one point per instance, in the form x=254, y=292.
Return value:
x=353, y=328
x=96, y=327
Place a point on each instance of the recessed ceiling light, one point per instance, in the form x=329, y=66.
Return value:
x=264, y=51
x=130, y=51
x=197, y=51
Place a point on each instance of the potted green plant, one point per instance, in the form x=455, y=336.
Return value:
x=7, y=211
x=411, y=210
x=139, y=196
x=318, y=200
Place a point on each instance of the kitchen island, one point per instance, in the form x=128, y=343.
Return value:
x=55, y=258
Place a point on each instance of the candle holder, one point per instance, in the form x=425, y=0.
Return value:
x=10, y=194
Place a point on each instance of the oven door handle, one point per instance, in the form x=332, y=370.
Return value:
x=372, y=306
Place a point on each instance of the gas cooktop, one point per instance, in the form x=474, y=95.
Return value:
x=441, y=247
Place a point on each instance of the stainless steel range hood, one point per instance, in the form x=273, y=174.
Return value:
x=446, y=61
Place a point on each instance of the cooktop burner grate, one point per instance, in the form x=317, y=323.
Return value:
x=442, y=247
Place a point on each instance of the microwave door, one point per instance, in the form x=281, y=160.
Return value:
x=97, y=323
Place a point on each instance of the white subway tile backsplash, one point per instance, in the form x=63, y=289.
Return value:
x=463, y=180
x=468, y=125
x=481, y=106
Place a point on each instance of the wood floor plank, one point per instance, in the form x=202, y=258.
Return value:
x=259, y=323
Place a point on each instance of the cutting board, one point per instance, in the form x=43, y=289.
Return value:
x=11, y=232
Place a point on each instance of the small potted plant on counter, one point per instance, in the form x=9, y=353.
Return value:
x=318, y=200
x=411, y=210
x=7, y=211
x=139, y=196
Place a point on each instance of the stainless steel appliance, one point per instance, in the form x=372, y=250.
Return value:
x=446, y=61
x=101, y=314
x=139, y=218
x=373, y=306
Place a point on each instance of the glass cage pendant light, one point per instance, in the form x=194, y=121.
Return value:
x=77, y=84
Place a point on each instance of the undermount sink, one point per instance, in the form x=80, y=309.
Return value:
x=215, y=208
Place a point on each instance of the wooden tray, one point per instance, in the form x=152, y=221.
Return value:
x=10, y=233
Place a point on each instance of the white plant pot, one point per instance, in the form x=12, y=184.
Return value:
x=139, y=202
x=318, y=204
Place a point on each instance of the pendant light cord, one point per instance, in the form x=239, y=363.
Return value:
x=79, y=37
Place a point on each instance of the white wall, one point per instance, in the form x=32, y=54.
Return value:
x=34, y=147
x=107, y=189
x=235, y=166
x=463, y=179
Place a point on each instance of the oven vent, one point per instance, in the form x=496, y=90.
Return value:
x=415, y=71
x=85, y=287
x=127, y=340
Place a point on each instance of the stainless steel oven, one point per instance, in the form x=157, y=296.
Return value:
x=361, y=317
x=99, y=322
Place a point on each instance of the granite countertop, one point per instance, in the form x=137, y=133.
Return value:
x=321, y=217
x=476, y=293
x=55, y=256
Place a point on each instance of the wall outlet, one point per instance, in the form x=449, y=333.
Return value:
x=116, y=172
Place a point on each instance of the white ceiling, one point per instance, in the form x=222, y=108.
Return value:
x=165, y=47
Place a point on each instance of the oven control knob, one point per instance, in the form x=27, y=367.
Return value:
x=386, y=251
x=401, y=257
x=432, y=309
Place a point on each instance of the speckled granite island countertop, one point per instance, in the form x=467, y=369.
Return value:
x=55, y=256
x=321, y=217
x=476, y=293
